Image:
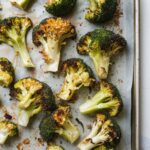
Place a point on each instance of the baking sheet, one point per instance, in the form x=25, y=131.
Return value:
x=121, y=73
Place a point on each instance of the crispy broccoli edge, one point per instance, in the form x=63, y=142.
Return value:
x=101, y=11
x=61, y=8
x=7, y=72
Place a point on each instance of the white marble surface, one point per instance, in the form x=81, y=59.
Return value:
x=145, y=74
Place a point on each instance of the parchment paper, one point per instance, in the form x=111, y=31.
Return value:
x=121, y=73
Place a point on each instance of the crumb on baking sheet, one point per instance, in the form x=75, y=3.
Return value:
x=26, y=141
x=120, y=80
x=89, y=126
x=7, y=116
x=20, y=146
x=40, y=140
x=118, y=14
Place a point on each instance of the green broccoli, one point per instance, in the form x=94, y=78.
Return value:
x=108, y=98
x=13, y=31
x=78, y=74
x=1, y=7
x=103, y=148
x=20, y=3
x=48, y=99
x=34, y=97
x=101, y=45
x=7, y=129
x=54, y=147
x=60, y=7
x=52, y=33
x=59, y=123
x=101, y=10
x=105, y=131
x=7, y=73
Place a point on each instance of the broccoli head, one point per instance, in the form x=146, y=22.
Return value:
x=33, y=96
x=101, y=45
x=7, y=74
x=78, y=74
x=60, y=7
x=101, y=10
x=107, y=99
x=48, y=99
x=59, y=123
x=13, y=31
x=54, y=147
x=51, y=33
x=20, y=3
x=7, y=129
x=105, y=131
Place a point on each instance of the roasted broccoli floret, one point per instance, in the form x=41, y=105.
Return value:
x=105, y=131
x=54, y=147
x=7, y=74
x=101, y=45
x=78, y=74
x=13, y=32
x=59, y=123
x=20, y=3
x=60, y=7
x=7, y=129
x=101, y=10
x=33, y=96
x=107, y=99
x=52, y=33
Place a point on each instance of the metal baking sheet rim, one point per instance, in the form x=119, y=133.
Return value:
x=136, y=81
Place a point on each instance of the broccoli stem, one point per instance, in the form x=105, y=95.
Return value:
x=101, y=106
x=3, y=135
x=20, y=3
x=23, y=118
x=21, y=48
x=25, y=115
x=95, y=128
x=69, y=132
x=51, y=54
x=96, y=103
x=101, y=63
